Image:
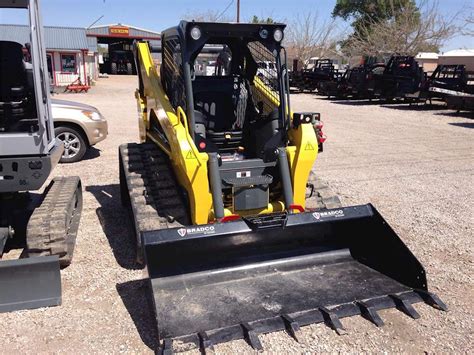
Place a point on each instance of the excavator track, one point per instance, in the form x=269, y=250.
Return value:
x=52, y=228
x=149, y=187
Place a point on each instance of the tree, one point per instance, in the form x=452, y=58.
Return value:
x=256, y=19
x=309, y=36
x=408, y=30
x=365, y=12
x=468, y=28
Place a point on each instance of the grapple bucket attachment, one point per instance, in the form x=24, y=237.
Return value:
x=227, y=281
x=30, y=283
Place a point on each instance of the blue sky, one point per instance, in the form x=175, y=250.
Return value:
x=160, y=14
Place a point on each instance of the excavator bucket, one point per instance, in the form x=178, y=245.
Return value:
x=220, y=282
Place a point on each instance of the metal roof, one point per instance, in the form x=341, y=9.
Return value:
x=62, y=38
x=137, y=32
x=427, y=55
x=92, y=42
x=459, y=53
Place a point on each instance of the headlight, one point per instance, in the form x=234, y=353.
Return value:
x=195, y=33
x=93, y=115
x=264, y=33
x=278, y=35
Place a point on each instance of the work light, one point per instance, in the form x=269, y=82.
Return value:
x=278, y=35
x=264, y=33
x=195, y=33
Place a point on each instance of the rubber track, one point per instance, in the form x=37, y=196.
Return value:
x=153, y=192
x=322, y=197
x=52, y=228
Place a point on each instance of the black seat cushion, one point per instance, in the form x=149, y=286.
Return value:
x=17, y=106
x=222, y=101
x=213, y=98
x=12, y=71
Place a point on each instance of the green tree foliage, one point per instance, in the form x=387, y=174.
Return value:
x=383, y=27
x=364, y=12
x=256, y=19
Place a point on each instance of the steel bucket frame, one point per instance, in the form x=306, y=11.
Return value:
x=220, y=282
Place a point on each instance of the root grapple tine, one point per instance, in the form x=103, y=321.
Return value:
x=167, y=348
x=332, y=320
x=432, y=299
x=206, y=344
x=370, y=313
x=251, y=336
x=292, y=327
x=405, y=306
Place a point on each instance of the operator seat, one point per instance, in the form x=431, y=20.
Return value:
x=221, y=107
x=15, y=104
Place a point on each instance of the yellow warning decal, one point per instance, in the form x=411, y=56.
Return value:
x=309, y=146
x=190, y=155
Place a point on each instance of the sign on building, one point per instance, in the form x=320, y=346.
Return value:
x=119, y=31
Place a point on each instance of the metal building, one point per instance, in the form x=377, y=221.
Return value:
x=71, y=55
x=118, y=39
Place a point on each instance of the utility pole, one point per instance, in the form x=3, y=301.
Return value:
x=238, y=11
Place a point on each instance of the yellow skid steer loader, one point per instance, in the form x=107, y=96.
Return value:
x=220, y=190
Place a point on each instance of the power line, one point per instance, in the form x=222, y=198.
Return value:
x=93, y=23
x=223, y=12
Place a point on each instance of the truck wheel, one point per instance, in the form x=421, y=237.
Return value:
x=113, y=68
x=129, y=69
x=74, y=144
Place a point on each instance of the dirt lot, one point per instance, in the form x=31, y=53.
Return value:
x=416, y=166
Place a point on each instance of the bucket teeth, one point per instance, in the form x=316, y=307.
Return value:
x=167, y=348
x=206, y=344
x=292, y=323
x=292, y=327
x=332, y=320
x=432, y=299
x=251, y=336
x=405, y=306
x=369, y=313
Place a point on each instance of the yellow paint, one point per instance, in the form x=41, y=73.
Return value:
x=302, y=154
x=276, y=206
x=189, y=164
x=142, y=117
x=263, y=93
x=303, y=149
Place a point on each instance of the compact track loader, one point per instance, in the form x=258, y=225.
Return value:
x=237, y=236
x=43, y=225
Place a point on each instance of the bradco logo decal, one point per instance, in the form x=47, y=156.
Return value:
x=204, y=230
x=335, y=213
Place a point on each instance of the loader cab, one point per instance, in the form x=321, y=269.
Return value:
x=239, y=108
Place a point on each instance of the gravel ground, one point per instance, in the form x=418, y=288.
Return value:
x=415, y=165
